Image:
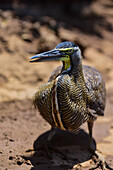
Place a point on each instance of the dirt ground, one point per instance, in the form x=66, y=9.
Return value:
x=29, y=29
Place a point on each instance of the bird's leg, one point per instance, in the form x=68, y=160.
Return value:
x=101, y=161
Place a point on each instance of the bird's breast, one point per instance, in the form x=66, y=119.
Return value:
x=62, y=104
x=71, y=100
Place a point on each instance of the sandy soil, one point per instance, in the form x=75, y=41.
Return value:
x=23, y=34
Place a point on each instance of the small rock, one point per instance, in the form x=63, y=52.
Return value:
x=11, y=140
x=26, y=37
x=77, y=167
x=29, y=150
x=19, y=162
x=11, y=157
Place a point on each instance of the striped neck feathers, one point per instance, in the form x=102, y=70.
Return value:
x=77, y=71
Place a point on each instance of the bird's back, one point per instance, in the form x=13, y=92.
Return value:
x=95, y=88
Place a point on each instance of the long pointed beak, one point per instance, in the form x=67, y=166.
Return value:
x=52, y=55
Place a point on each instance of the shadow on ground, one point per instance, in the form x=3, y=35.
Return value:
x=73, y=146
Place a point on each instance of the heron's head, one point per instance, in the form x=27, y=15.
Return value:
x=67, y=52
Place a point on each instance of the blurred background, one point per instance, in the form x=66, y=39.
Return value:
x=30, y=27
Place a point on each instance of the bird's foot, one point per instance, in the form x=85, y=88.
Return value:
x=100, y=162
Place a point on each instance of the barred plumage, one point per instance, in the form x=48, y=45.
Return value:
x=74, y=98
x=74, y=93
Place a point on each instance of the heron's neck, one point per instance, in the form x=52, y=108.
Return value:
x=66, y=65
x=77, y=71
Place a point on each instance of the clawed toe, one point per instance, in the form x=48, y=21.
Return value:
x=100, y=162
x=102, y=165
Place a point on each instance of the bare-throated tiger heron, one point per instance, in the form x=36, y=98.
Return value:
x=74, y=94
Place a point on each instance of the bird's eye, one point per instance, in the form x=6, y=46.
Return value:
x=70, y=51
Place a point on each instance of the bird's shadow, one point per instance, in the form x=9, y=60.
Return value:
x=73, y=146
